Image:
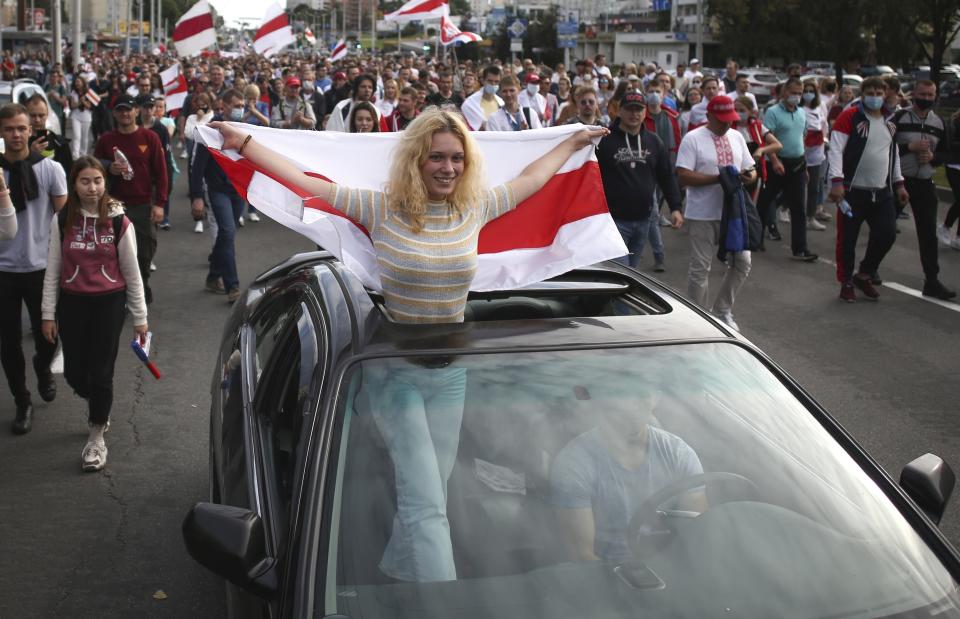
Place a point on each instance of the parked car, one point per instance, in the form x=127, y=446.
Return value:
x=878, y=69
x=775, y=511
x=762, y=83
x=19, y=91
x=820, y=67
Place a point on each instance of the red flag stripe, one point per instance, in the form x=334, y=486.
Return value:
x=192, y=26
x=425, y=7
x=277, y=23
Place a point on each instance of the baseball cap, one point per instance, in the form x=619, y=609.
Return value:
x=721, y=107
x=694, y=61
x=125, y=101
x=632, y=97
x=633, y=77
x=293, y=81
x=533, y=78
x=146, y=100
x=339, y=75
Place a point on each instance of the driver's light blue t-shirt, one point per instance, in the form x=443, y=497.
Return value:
x=585, y=475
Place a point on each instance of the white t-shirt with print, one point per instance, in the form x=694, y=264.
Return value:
x=701, y=150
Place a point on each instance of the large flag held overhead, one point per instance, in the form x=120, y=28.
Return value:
x=419, y=9
x=450, y=34
x=174, y=88
x=339, y=51
x=274, y=33
x=194, y=31
x=563, y=226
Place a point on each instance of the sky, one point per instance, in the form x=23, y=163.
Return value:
x=250, y=10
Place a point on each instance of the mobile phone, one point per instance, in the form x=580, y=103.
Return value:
x=40, y=134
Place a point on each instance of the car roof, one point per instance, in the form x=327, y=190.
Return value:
x=664, y=315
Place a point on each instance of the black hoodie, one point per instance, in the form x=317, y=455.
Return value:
x=631, y=168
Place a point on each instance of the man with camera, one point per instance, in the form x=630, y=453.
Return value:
x=44, y=142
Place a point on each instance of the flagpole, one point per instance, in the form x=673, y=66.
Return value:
x=373, y=27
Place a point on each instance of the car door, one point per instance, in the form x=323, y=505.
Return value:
x=288, y=361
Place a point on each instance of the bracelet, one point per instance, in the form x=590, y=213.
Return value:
x=245, y=141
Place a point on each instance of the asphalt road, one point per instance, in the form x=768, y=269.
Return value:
x=109, y=545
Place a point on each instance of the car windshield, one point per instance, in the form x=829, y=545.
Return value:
x=666, y=481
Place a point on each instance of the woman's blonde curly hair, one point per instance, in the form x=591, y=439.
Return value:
x=405, y=189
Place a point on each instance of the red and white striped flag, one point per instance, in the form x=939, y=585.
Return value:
x=92, y=97
x=563, y=226
x=194, y=31
x=450, y=34
x=419, y=9
x=174, y=88
x=339, y=51
x=308, y=35
x=274, y=33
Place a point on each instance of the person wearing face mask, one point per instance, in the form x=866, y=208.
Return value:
x=919, y=132
x=814, y=152
x=482, y=104
x=865, y=171
x=227, y=207
x=710, y=87
x=512, y=116
x=666, y=124
x=703, y=152
x=530, y=97
x=760, y=140
x=788, y=122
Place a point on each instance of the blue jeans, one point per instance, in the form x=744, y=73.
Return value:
x=418, y=412
x=635, y=235
x=226, y=208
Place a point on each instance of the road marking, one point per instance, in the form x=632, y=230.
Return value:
x=919, y=295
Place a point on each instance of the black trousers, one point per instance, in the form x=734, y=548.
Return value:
x=146, y=230
x=953, y=215
x=90, y=328
x=16, y=290
x=792, y=184
x=923, y=202
x=875, y=208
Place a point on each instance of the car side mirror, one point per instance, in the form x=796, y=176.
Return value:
x=230, y=542
x=929, y=481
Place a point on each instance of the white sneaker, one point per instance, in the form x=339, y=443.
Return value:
x=727, y=319
x=813, y=224
x=198, y=227
x=665, y=222
x=943, y=233
x=240, y=221
x=153, y=266
x=94, y=456
x=783, y=215
x=253, y=217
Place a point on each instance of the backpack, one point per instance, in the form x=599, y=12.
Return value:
x=116, y=221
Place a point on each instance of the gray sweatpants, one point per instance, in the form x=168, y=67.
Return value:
x=704, y=241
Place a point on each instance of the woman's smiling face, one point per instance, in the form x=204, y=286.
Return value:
x=444, y=165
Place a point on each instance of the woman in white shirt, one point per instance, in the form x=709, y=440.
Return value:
x=387, y=104
x=815, y=154
x=81, y=116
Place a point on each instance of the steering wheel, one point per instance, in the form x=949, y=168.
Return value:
x=649, y=530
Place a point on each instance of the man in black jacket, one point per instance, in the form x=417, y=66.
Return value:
x=633, y=162
x=227, y=206
x=44, y=142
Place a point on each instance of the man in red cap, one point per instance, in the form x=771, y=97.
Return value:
x=293, y=112
x=702, y=153
x=530, y=96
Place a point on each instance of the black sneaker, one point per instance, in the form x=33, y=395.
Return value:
x=866, y=287
x=774, y=233
x=804, y=256
x=934, y=288
x=23, y=420
x=875, y=278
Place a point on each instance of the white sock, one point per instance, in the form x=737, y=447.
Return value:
x=96, y=433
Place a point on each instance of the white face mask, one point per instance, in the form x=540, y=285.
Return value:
x=532, y=89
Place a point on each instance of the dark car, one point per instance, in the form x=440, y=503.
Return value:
x=745, y=497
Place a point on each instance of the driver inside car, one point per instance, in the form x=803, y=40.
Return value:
x=600, y=478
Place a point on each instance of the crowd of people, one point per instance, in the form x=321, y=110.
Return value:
x=813, y=154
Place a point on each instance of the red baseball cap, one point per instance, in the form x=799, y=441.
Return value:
x=293, y=81
x=339, y=75
x=721, y=107
x=533, y=78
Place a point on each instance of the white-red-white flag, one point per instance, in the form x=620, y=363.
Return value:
x=194, y=31
x=174, y=88
x=92, y=97
x=339, y=51
x=563, y=226
x=419, y=9
x=450, y=34
x=308, y=35
x=274, y=33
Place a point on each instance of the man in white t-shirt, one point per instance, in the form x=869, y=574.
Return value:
x=702, y=152
x=693, y=70
x=710, y=87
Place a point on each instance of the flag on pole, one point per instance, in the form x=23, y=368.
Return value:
x=450, y=34
x=339, y=51
x=308, y=35
x=194, y=31
x=563, y=226
x=274, y=33
x=174, y=88
x=419, y=9
x=92, y=97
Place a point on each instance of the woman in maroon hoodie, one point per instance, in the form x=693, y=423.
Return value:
x=92, y=272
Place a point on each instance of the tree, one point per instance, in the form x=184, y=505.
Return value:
x=935, y=26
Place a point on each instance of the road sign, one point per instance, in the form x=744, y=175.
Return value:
x=516, y=45
x=517, y=28
x=567, y=34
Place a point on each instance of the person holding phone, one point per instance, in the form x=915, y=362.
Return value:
x=92, y=278
x=44, y=142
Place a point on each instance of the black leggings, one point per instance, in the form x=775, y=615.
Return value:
x=90, y=329
x=17, y=290
x=953, y=215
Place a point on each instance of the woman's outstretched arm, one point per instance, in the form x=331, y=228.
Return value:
x=536, y=175
x=271, y=161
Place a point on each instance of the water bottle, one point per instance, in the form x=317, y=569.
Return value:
x=120, y=158
x=845, y=208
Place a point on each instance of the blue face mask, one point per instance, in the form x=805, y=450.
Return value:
x=808, y=97
x=490, y=89
x=873, y=102
x=653, y=98
x=236, y=113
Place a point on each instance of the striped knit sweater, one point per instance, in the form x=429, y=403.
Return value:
x=425, y=275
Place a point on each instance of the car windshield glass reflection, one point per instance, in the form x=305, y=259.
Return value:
x=672, y=481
